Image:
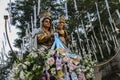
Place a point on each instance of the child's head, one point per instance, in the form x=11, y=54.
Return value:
x=62, y=22
x=61, y=25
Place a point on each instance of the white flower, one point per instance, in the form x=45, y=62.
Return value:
x=53, y=72
x=22, y=75
x=24, y=66
x=34, y=67
x=27, y=74
x=19, y=65
x=87, y=68
x=27, y=63
x=86, y=61
x=82, y=66
x=33, y=54
x=38, y=66
x=91, y=70
x=84, y=70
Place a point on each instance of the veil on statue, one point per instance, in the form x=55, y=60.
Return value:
x=58, y=43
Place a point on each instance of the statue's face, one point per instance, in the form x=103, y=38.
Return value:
x=61, y=25
x=46, y=23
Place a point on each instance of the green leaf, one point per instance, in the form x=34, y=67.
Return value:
x=31, y=76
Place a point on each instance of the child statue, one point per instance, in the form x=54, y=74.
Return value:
x=63, y=34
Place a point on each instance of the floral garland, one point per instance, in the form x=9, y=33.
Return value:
x=53, y=64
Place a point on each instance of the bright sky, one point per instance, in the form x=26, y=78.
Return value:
x=12, y=34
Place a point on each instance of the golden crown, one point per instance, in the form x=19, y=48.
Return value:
x=62, y=19
x=44, y=14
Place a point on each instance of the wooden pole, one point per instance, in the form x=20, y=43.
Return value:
x=6, y=18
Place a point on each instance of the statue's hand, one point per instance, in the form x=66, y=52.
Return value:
x=52, y=33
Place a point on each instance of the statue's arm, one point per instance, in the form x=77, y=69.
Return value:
x=43, y=37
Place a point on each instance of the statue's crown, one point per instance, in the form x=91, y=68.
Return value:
x=45, y=14
x=62, y=19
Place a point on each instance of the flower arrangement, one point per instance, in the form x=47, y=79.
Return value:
x=58, y=63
